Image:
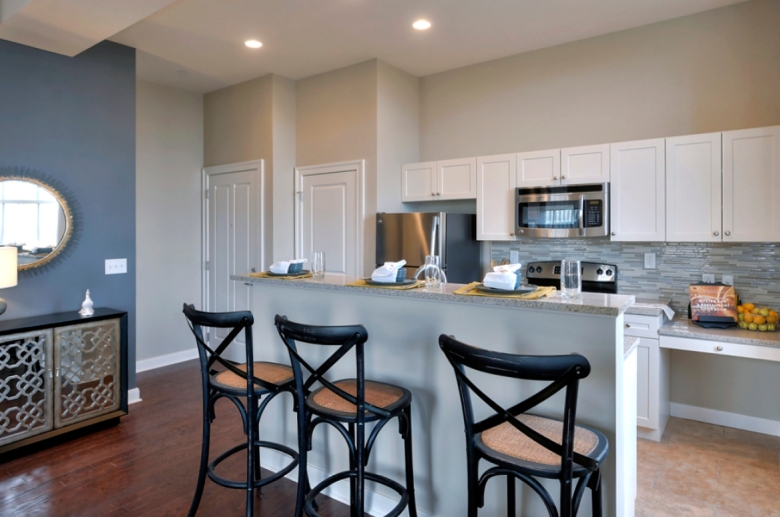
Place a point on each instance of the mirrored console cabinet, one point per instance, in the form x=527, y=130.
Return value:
x=59, y=373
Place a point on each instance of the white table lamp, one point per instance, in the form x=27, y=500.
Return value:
x=8, y=267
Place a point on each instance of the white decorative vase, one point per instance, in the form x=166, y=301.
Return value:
x=86, y=306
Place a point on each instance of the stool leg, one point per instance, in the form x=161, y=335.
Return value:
x=251, y=408
x=360, y=463
x=595, y=487
x=473, y=483
x=303, y=449
x=511, y=500
x=407, y=437
x=566, y=503
x=204, y=458
x=352, y=480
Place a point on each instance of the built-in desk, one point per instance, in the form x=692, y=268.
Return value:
x=683, y=334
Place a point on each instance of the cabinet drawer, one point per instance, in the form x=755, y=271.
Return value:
x=642, y=326
x=707, y=346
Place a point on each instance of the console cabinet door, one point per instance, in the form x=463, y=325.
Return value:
x=751, y=185
x=496, y=182
x=539, y=168
x=585, y=165
x=25, y=385
x=648, y=380
x=418, y=181
x=638, y=191
x=456, y=179
x=693, y=188
x=87, y=376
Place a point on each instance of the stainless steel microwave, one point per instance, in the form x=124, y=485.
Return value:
x=560, y=212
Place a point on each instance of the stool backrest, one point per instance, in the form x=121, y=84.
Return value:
x=564, y=371
x=346, y=337
x=240, y=321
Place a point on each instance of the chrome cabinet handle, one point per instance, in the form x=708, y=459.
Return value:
x=628, y=326
x=614, y=233
x=728, y=233
x=715, y=233
x=719, y=348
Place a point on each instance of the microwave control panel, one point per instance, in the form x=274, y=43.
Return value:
x=592, y=217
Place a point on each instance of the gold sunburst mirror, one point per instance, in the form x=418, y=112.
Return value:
x=35, y=219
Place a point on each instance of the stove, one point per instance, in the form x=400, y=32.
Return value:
x=596, y=277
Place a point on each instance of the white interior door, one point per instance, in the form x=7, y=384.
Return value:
x=329, y=216
x=234, y=239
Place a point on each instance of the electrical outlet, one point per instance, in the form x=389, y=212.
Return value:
x=116, y=266
x=708, y=278
x=649, y=260
x=514, y=257
x=727, y=279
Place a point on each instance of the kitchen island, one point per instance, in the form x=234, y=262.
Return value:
x=403, y=328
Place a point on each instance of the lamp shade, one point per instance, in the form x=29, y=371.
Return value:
x=8, y=265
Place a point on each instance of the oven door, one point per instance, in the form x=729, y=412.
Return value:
x=562, y=212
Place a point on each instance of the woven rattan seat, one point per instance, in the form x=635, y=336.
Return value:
x=377, y=394
x=269, y=372
x=509, y=441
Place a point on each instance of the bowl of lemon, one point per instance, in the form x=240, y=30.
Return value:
x=761, y=319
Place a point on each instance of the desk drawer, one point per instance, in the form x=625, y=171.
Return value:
x=707, y=346
x=642, y=326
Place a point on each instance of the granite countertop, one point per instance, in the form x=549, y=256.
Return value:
x=648, y=305
x=629, y=344
x=589, y=303
x=683, y=327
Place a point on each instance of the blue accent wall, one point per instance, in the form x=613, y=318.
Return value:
x=73, y=119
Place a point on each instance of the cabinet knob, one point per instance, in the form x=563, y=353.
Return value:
x=512, y=234
x=555, y=177
x=728, y=233
x=719, y=348
x=563, y=177
x=628, y=325
x=614, y=233
x=715, y=233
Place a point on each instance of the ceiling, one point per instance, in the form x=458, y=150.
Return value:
x=199, y=44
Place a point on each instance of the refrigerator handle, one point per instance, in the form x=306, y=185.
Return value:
x=434, y=227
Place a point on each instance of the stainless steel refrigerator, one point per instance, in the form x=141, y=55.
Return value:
x=412, y=236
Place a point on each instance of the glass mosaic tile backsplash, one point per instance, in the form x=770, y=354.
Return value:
x=755, y=266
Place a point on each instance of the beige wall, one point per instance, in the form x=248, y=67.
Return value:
x=336, y=121
x=238, y=127
x=283, y=113
x=169, y=157
x=712, y=71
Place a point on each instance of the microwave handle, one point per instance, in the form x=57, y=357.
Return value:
x=582, y=217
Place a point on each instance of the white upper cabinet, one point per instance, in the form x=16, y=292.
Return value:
x=432, y=181
x=585, y=165
x=418, y=180
x=539, y=168
x=496, y=183
x=693, y=188
x=637, y=191
x=456, y=179
x=751, y=185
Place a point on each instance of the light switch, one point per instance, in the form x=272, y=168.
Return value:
x=649, y=260
x=116, y=266
x=708, y=278
x=728, y=279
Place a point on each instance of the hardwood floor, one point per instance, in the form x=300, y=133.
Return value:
x=146, y=466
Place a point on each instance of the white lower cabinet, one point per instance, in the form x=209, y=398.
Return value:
x=653, y=375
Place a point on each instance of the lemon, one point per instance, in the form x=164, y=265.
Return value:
x=763, y=328
x=770, y=327
x=765, y=311
x=743, y=325
x=752, y=326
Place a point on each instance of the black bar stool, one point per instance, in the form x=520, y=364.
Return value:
x=348, y=405
x=523, y=445
x=253, y=381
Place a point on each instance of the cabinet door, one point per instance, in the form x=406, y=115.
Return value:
x=693, y=188
x=751, y=185
x=456, y=179
x=539, y=168
x=585, y=165
x=496, y=182
x=648, y=383
x=25, y=385
x=418, y=180
x=86, y=380
x=637, y=191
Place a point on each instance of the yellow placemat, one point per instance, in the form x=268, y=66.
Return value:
x=471, y=290
x=362, y=283
x=264, y=274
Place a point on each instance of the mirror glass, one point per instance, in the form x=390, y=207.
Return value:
x=34, y=218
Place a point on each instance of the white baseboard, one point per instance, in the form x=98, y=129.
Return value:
x=713, y=416
x=376, y=504
x=166, y=360
x=133, y=396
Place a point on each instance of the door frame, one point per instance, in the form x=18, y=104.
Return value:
x=206, y=173
x=359, y=166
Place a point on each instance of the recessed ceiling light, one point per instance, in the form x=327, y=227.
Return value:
x=421, y=25
x=253, y=43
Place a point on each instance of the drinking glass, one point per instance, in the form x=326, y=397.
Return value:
x=318, y=264
x=434, y=276
x=571, y=278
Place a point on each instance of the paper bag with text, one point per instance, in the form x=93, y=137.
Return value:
x=713, y=300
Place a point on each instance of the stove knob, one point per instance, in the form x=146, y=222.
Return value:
x=539, y=269
x=599, y=271
x=609, y=272
x=530, y=269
